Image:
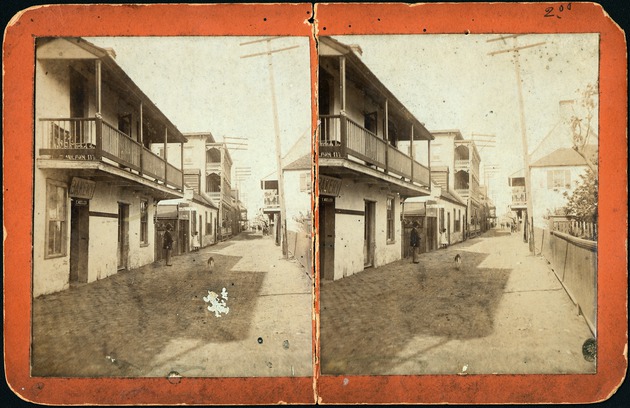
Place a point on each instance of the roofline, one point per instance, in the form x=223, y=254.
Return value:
x=107, y=59
x=373, y=79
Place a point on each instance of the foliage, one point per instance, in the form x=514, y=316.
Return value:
x=581, y=124
x=582, y=202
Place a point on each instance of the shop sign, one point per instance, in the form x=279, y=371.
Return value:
x=329, y=185
x=81, y=188
x=183, y=215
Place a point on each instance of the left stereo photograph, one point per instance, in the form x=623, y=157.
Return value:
x=172, y=220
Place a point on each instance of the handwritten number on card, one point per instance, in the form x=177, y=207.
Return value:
x=549, y=11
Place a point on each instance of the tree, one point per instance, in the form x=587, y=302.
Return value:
x=581, y=129
x=582, y=202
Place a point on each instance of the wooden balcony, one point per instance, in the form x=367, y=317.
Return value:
x=342, y=138
x=92, y=139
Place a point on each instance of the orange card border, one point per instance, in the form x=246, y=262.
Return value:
x=286, y=19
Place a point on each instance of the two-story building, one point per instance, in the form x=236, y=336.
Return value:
x=208, y=171
x=518, y=204
x=96, y=180
x=364, y=173
x=451, y=150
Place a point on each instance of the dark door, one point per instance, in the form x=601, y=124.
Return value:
x=448, y=228
x=327, y=237
x=78, y=95
x=368, y=234
x=123, y=235
x=184, y=234
x=78, y=107
x=79, y=240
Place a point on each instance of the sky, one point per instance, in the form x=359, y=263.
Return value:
x=447, y=81
x=202, y=84
x=450, y=81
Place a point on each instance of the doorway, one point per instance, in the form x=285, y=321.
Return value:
x=448, y=228
x=123, y=235
x=79, y=240
x=327, y=238
x=368, y=234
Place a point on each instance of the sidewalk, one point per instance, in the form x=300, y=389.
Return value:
x=503, y=311
x=152, y=321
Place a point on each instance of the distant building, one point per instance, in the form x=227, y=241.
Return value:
x=518, y=204
x=193, y=214
x=451, y=150
x=552, y=176
x=442, y=210
x=208, y=171
x=365, y=172
x=297, y=166
x=97, y=182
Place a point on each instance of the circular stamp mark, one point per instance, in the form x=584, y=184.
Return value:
x=589, y=349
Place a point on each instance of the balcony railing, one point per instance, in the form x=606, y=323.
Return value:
x=341, y=137
x=92, y=139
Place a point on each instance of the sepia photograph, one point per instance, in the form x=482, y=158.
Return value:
x=458, y=203
x=314, y=203
x=172, y=210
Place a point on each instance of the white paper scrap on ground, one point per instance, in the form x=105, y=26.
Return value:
x=217, y=305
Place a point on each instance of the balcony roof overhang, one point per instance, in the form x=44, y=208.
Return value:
x=103, y=172
x=360, y=173
x=365, y=75
x=112, y=72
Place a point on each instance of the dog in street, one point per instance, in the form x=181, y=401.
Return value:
x=458, y=261
x=210, y=264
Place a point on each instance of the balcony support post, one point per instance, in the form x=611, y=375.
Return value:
x=181, y=163
x=411, y=152
x=141, y=136
x=386, y=133
x=343, y=134
x=99, y=117
x=165, y=158
x=342, y=82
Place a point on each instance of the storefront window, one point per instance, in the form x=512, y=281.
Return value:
x=56, y=224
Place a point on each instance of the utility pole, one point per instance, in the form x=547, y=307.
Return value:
x=276, y=126
x=515, y=50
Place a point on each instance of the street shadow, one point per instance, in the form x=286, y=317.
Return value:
x=117, y=325
x=367, y=319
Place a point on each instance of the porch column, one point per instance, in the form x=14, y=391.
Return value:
x=342, y=83
x=165, y=158
x=386, y=134
x=141, y=136
x=181, y=164
x=97, y=77
x=411, y=152
x=98, y=115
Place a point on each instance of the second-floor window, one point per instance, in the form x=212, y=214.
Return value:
x=390, y=219
x=558, y=179
x=144, y=224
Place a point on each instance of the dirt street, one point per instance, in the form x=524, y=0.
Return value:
x=502, y=311
x=153, y=321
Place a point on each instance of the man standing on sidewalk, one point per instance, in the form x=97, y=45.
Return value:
x=167, y=244
x=414, y=241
